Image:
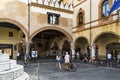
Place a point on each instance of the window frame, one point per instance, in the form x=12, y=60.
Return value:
x=53, y=18
x=10, y=34
x=105, y=7
x=78, y=17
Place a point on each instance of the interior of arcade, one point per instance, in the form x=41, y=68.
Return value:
x=104, y=43
x=50, y=42
x=47, y=43
x=108, y=42
x=11, y=38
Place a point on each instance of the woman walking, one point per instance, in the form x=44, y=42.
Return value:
x=58, y=65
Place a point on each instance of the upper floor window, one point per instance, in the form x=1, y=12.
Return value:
x=53, y=18
x=105, y=8
x=80, y=18
x=10, y=34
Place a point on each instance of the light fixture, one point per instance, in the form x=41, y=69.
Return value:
x=21, y=41
x=119, y=40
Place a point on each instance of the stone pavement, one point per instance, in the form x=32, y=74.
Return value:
x=48, y=71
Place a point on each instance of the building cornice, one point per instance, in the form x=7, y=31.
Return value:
x=51, y=8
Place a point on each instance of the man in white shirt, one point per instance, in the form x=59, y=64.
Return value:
x=118, y=58
x=67, y=60
x=109, y=59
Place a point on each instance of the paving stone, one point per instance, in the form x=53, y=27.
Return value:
x=48, y=71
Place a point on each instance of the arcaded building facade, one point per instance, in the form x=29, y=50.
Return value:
x=95, y=32
x=56, y=26
x=45, y=24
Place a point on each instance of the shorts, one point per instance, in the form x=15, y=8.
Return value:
x=109, y=60
x=59, y=61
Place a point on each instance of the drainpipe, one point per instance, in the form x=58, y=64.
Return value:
x=90, y=30
x=28, y=34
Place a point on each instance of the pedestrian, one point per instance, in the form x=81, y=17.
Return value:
x=18, y=57
x=67, y=60
x=118, y=58
x=109, y=59
x=59, y=60
x=78, y=55
x=93, y=59
x=26, y=58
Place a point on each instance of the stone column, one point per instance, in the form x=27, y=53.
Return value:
x=73, y=52
x=93, y=51
x=60, y=51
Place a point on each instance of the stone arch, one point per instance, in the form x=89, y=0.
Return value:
x=117, y=35
x=54, y=28
x=54, y=45
x=80, y=37
x=15, y=23
x=102, y=40
x=77, y=17
x=66, y=46
x=81, y=43
x=65, y=39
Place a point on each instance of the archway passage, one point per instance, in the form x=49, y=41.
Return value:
x=10, y=39
x=113, y=48
x=107, y=42
x=66, y=46
x=48, y=43
x=81, y=48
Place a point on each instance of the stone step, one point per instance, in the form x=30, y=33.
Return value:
x=14, y=74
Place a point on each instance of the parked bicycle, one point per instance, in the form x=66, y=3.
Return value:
x=72, y=67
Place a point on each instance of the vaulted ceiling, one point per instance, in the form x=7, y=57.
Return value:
x=9, y=25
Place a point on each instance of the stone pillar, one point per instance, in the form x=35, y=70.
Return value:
x=60, y=51
x=73, y=52
x=93, y=51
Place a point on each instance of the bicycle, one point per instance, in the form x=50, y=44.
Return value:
x=72, y=67
x=27, y=61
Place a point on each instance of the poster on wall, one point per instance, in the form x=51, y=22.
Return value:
x=34, y=54
x=7, y=51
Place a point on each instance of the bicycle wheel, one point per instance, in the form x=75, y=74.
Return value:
x=72, y=67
